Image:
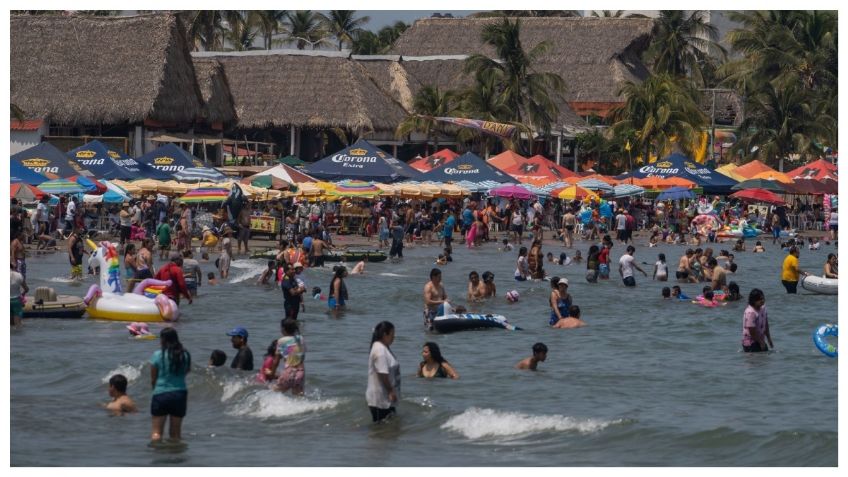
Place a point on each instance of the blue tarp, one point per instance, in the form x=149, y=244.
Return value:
x=169, y=159
x=362, y=161
x=107, y=163
x=678, y=165
x=468, y=167
x=21, y=173
x=45, y=158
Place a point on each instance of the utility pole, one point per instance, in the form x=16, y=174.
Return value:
x=712, y=117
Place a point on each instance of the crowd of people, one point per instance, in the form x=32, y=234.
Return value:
x=305, y=238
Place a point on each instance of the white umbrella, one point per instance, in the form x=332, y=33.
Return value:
x=197, y=174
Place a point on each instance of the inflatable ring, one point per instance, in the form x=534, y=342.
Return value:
x=819, y=336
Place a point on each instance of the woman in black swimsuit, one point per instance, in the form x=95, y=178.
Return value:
x=434, y=365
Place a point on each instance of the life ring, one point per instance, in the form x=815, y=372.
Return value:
x=819, y=336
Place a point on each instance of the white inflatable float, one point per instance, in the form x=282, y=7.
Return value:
x=108, y=301
x=824, y=286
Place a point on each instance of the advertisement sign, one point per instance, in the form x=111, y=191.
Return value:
x=264, y=224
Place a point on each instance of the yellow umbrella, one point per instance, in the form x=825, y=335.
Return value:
x=147, y=185
x=308, y=189
x=388, y=190
x=729, y=171
x=574, y=192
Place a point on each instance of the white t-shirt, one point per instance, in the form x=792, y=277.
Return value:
x=620, y=221
x=16, y=282
x=381, y=360
x=834, y=218
x=626, y=263
x=522, y=268
x=70, y=211
x=662, y=269
x=41, y=212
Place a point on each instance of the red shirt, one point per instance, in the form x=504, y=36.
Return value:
x=173, y=272
x=603, y=257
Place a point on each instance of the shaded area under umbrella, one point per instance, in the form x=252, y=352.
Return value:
x=676, y=193
x=766, y=184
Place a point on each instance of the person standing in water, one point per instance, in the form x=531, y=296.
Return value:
x=76, y=250
x=569, y=221
x=755, y=326
x=168, y=370
x=434, y=297
x=338, y=290
x=791, y=273
x=291, y=350
x=626, y=264
x=560, y=300
x=383, y=391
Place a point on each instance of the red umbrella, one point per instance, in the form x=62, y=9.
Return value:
x=758, y=195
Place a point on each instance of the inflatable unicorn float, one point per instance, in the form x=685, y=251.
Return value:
x=108, y=301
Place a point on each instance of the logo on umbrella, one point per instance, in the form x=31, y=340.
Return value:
x=86, y=154
x=358, y=152
x=434, y=161
x=529, y=168
x=461, y=169
x=664, y=164
x=555, y=172
x=114, y=155
x=35, y=162
x=163, y=161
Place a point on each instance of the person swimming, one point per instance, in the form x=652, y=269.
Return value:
x=733, y=292
x=676, y=292
x=666, y=293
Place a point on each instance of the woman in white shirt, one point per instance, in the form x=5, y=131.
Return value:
x=383, y=390
x=834, y=224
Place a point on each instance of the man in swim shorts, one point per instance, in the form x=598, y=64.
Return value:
x=626, y=264
x=434, y=296
x=684, y=270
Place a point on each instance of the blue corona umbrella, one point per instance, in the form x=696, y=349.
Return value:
x=21, y=173
x=362, y=161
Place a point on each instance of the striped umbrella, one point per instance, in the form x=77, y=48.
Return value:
x=627, y=190
x=25, y=192
x=205, y=194
x=595, y=184
x=61, y=186
x=354, y=188
x=197, y=174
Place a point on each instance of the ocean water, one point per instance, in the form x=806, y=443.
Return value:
x=647, y=383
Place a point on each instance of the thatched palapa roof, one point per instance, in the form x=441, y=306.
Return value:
x=306, y=89
x=81, y=70
x=217, y=101
x=592, y=55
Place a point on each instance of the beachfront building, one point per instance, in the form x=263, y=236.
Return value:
x=123, y=80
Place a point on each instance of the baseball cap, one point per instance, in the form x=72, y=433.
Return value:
x=238, y=331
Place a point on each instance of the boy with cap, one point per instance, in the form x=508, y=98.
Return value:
x=244, y=356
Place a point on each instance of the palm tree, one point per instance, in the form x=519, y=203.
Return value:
x=17, y=113
x=663, y=111
x=366, y=43
x=389, y=34
x=780, y=121
x=482, y=100
x=430, y=102
x=681, y=42
x=268, y=23
x=304, y=27
x=241, y=32
x=343, y=24
x=205, y=29
x=530, y=95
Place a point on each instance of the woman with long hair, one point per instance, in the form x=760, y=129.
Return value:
x=130, y=260
x=434, y=364
x=383, y=390
x=168, y=370
x=338, y=290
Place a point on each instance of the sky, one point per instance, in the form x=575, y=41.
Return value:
x=381, y=18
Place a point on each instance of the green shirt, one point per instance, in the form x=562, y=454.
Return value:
x=163, y=231
x=167, y=380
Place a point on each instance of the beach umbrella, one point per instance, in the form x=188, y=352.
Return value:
x=512, y=192
x=627, y=190
x=655, y=182
x=90, y=184
x=773, y=176
x=109, y=197
x=292, y=161
x=759, y=184
x=197, y=174
x=595, y=184
x=25, y=192
x=269, y=182
x=61, y=186
x=21, y=173
x=819, y=169
x=676, y=193
x=355, y=188
x=758, y=195
x=830, y=186
x=573, y=192
x=205, y=194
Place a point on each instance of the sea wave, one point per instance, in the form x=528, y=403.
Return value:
x=130, y=371
x=476, y=423
x=389, y=274
x=252, y=268
x=264, y=404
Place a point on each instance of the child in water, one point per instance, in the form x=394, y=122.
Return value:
x=676, y=292
x=268, y=273
x=758, y=247
x=661, y=269
x=666, y=293
x=217, y=358
x=577, y=258
x=506, y=247
x=121, y=403
x=210, y=279
x=733, y=292
x=266, y=372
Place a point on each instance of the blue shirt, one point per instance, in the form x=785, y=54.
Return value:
x=467, y=217
x=450, y=223
x=307, y=243
x=167, y=381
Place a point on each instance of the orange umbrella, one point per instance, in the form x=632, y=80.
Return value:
x=573, y=192
x=663, y=182
x=773, y=176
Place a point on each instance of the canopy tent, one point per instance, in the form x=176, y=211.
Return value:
x=807, y=186
x=285, y=173
x=819, y=169
x=773, y=176
x=49, y=161
x=107, y=163
x=437, y=159
x=537, y=170
x=197, y=174
x=678, y=165
x=168, y=159
x=468, y=168
x=25, y=192
x=21, y=173
x=506, y=159
x=750, y=169
x=729, y=170
x=362, y=160
x=758, y=195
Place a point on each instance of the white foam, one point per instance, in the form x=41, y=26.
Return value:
x=388, y=274
x=231, y=388
x=132, y=373
x=63, y=280
x=251, y=269
x=477, y=423
x=265, y=404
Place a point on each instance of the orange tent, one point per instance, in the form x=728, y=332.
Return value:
x=538, y=171
x=819, y=170
x=437, y=159
x=774, y=176
x=506, y=159
x=752, y=168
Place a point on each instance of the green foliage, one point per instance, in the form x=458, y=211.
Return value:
x=681, y=43
x=343, y=25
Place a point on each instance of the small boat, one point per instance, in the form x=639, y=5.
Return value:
x=269, y=254
x=356, y=256
x=470, y=321
x=824, y=286
x=47, y=304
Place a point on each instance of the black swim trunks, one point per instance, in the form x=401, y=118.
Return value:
x=172, y=403
x=682, y=275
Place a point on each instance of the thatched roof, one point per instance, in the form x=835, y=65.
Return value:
x=592, y=55
x=79, y=70
x=217, y=101
x=285, y=87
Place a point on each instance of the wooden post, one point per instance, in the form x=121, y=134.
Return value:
x=291, y=140
x=559, y=149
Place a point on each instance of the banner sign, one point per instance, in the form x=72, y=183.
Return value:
x=264, y=224
x=495, y=129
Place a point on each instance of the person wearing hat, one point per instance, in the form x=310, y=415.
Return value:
x=244, y=357
x=173, y=270
x=560, y=300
